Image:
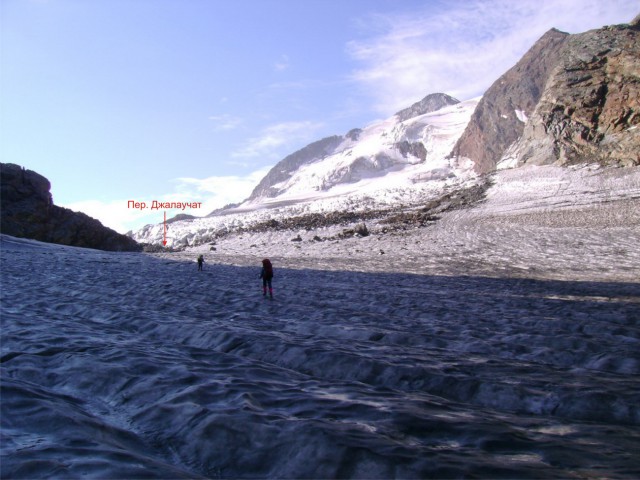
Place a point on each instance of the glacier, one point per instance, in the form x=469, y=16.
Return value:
x=498, y=341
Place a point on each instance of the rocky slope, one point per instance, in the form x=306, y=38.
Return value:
x=571, y=99
x=499, y=119
x=590, y=108
x=27, y=211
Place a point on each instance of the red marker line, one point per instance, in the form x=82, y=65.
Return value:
x=164, y=239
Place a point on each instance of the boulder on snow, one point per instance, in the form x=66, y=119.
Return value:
x=361, y=230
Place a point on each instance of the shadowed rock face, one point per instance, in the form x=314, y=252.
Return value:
x=27, y=211
x=495, y=124
x=570, y=99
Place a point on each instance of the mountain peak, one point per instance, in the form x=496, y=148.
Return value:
x=430, y=103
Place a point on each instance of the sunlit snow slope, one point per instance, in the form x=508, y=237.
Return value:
x=389, y=153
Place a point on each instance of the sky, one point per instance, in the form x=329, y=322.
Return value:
x=195, y=100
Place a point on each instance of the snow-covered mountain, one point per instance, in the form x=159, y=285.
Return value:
x=389, y=161
x=380, y=155
x=404, y=139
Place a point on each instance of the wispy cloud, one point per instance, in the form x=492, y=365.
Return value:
x=282, y=64
x=277, y=136
x=462, y=47
x=225, y=122
x=217, y=191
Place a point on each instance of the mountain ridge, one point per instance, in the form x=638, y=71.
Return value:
x=320, y=149
x=508, y=127
x=430, y=103
x=283, y=170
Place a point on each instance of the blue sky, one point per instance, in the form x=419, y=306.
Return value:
x=194, y=100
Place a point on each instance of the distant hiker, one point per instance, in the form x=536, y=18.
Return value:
x=200, y=262
x=266, y=275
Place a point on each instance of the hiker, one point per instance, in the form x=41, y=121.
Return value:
x=266, y=275
x=200, y=262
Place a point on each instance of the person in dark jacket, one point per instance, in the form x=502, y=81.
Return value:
x=200, y=262
x=266, y=275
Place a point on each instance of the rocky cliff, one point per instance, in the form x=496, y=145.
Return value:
x=27, y=211
x=590, y=108
x=499, y=119
x=570, y=99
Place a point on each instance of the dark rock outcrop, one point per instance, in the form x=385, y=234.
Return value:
x=495, y=124
x=180, y=217
x=354, y=134
x=27, y=211
x=430, y=103
x=415, y=149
